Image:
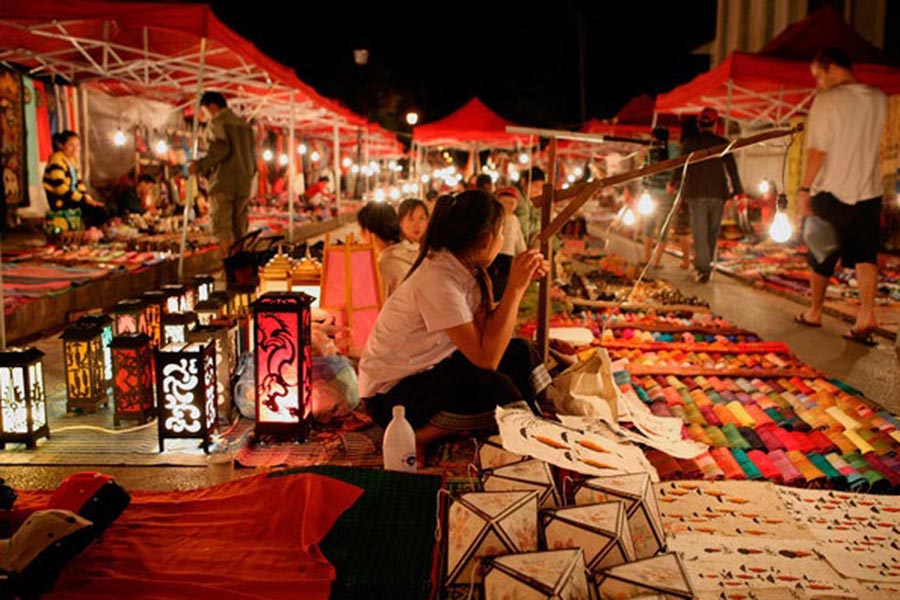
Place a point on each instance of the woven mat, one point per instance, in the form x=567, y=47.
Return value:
x=347, y=449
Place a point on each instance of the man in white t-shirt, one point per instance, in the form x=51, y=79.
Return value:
x=843, y=138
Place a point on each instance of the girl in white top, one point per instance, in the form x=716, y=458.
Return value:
x=440, y=346
x=378, y=224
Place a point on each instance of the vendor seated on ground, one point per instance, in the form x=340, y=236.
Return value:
x=135, y=199
x=63, y=184
x=379, y=225
x=440, y=347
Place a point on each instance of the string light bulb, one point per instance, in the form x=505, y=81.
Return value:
x=119, y=138
x=268, y=155
x=523, y=158
x=627, y=216
x=645, y=204
x=162, y=147
x=781, y=229
x=315, y=156
x=302, y=149
x=346, y=162
x=283, y=160
x=379, y=195
x=764, y=186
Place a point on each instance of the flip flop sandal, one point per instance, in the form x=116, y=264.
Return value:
x=801, y=319
x=866, y=338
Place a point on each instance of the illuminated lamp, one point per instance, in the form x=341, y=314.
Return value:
x=306, y=277
x=85, y=377
x=205, y=285
x=23, y=404
x=219, y=334
x=133, y=381
x=234, y=340
x=105, y=323
x=276, y=274
x=176, y=297
x=176, y=325
x=186, y=392
x=154, y=306
x=244, y=295
x=209, y=310
x=283, y=361
x=129, y=317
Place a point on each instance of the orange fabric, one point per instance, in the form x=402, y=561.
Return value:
x=251, y=538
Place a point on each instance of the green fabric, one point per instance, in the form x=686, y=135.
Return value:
x=384, y=545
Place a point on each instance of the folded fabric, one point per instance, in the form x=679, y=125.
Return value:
x=660, y=409
x=752, y=438
x=700, y=399
x=862, y=445
x=734, y=437
x=758, y=415
x=709, y=467
x=726, y=461
x=878, y=440
x=823, y=445
x=876, y=463
x=855, y=480
x=743, y=418
x=725, y=415
x=843, y=418
x=835, y=478
x=747, y=466
x=765, y=466
x=667, y=467
x=878, y=483
x=768, y=437
x=710, y=416
x=693, y=414
x=716, y=436
x=776, y=416
x=785, y=438
x=698, y=434
x=789, y=473
x=814, y=477
x=840, y=440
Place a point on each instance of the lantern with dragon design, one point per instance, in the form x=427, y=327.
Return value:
x=283, y=360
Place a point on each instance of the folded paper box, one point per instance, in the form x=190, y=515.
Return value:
x=526, y=475
x=600, y=530
x=664, y=574
x=554, y=575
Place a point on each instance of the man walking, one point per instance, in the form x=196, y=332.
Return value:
x=706, y=189
x=229, y=165
x=843, y=138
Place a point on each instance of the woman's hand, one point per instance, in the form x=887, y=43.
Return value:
x=525, y=268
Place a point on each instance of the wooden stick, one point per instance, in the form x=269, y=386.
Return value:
x=667, y=165
x=638, y=306
x=544, y=304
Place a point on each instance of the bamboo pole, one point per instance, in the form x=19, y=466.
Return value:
x=195, y=128
x=337, y=165
x=544, y=304
x=292, y=170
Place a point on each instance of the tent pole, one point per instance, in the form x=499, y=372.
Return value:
x=2, y=307
x=292, y=169
x=189, y=192
x=366, y=160
x=336, y=155
x=544, y=304
x=655, y=118
x=86, y=137
x=728, y=106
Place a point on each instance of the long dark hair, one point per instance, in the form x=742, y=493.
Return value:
x=409, y=206
x=456, y=225
x=380, y=219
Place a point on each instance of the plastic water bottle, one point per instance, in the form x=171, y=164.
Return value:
x=399, y=443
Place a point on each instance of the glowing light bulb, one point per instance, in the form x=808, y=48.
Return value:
x=514, y=176
x=161, y=147
x=627, y=215
x=405, y=188
x=119, y=138
x=414, y=188
x=283, y=160
x=395, y=193
x=764, y=187
x=425, y=178
x=315, y=156
x=412, y=118
x=354, y=169
x=570, y=178
x=565, y=186
x=346, y=162
x=268, y=155
x=392, y=165
x=781, y=230
x=645, y=204
x=302, y=149
x=579, y=171
x=379, y=195
x=523, y=158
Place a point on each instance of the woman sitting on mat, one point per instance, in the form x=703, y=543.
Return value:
x=440, y=347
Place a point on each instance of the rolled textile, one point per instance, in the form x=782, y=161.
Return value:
x=660, y=409
x=715, y=397
x=728, y=396
x=745, y=385
x=686, y=397
x=789, y=473
x=726, y=461
x=693, y=414
x=876, y=463
x=642, y=394
x=792, y=421
x=812, y=417
x=750, y=470
x=734, y=437
x=801, y=385
x=656, y=394
x=710, y=416
x=760, y=385
x=672, y=396
x=855, y=480
x=698, y=434
x=666, y=466
x=710, y=468
x=813, y=476
x=677, y=411
x=759, y=416
x=674, y=382
x=775, y=386
x=893, y=420
x=878, y=440
x=802, y=441
x=892, y=461
x=717, y=384
x=744, y=398
x=725, y=415
x=689, y=383
x=768, y=437
x=823, y=445
x=843, y=418
x=765, y=466
x=785, y=438
x=841, y=441
x=878, y=483
x=835, y=478
x=775, y=415
x=717, y=438
x=743, y=417
x=702, y=382
x=752, y=438
x=700, y=399
x=862, y=445
x=690, y=469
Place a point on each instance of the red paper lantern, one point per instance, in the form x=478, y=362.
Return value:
x=133, y=378
x=283, y=359
x=186, y=392
x=130, y=317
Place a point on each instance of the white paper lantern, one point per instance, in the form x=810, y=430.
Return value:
x=600, y=530
x=530, y=474
x=555, y=575
x=663, y=575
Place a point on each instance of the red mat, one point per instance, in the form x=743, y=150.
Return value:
x=250, y=538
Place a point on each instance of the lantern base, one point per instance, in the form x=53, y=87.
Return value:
x=87, y=405
x=139, y=417
x=29, y=439
x=274, y=433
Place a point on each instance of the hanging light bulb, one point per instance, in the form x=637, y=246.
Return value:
x=119, y=138
x=161, y=147
x=570, y=178
x=354, y=169
x=645, y=204
x=764, y=186
x=565, y=185
x=781, y=230
x=315, y=156
x=414, y=188
x=514, y=176
x=405, y=187
x=379, y=195
x=302, y=149
x=268, y=155
x=283, y=160
x=425, y=178
x=523, y=158
x=627, y=216
x=578, y=171
x=346, y=162
x=395, y=193
x=392, y=165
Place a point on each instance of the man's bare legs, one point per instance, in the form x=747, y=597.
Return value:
x=819, y=284
x=867, y=276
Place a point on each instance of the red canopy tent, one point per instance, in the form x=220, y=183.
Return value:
x=775, y=85
x=472, y=125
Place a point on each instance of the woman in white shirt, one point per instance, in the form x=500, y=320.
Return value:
x=378, y=224
x=440, y=346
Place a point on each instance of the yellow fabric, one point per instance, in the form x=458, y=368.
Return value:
x=737, y=409
x=860, y=443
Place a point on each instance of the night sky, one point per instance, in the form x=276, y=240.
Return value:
x=522, y=62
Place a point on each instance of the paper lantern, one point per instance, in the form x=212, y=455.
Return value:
x=636, y=491
x=133, y=381
x=205, y=286
x=306, y=277
x=23, y=404
x=105, y=323
x=129, y=317
x=664, y=574
x=154, y=305
x=275, y=275
x=491, y=454
x=176, y=325
x=351, y=288
x=483, y=524
x=283, y=360
x=219, y=334
x=234, y=340
x=530, y=474
x=600, y=530
x=210, y=310
x=554, y=575
x=85, y=369
x=186, y=392
x=176, y=297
